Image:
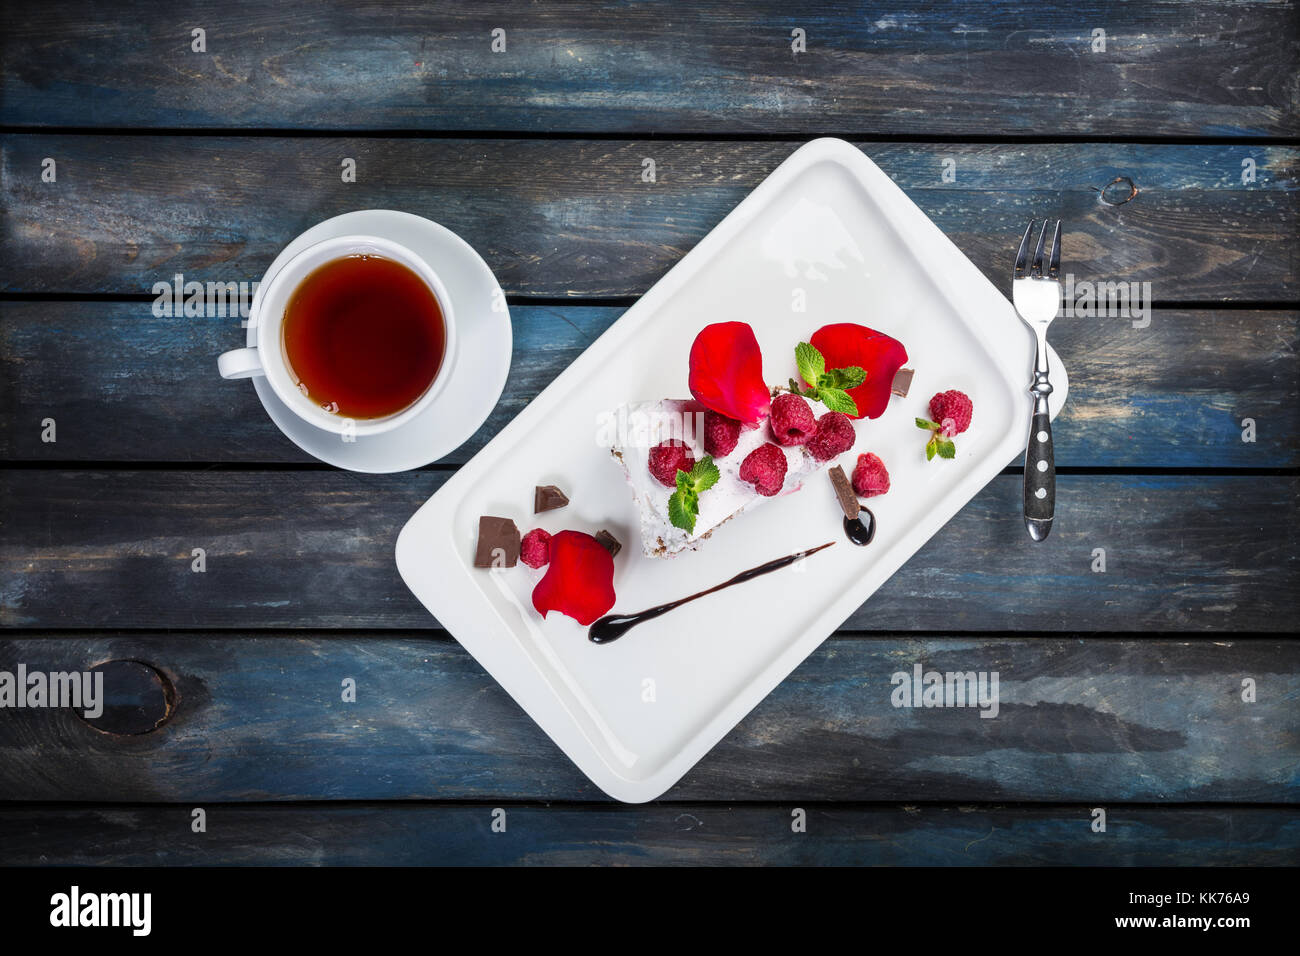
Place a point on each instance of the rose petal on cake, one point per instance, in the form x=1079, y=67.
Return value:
x=726, y=372
x=579, y=581
x=845, y=344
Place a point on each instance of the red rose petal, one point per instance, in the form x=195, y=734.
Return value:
x=579, y=581
x=845, y=344
x=727, y=372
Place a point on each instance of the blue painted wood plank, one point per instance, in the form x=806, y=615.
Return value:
x=110, y=548
x=260, y=717
x=573, y=218
x=678, y=834
x=961, y=67
x=124, y=385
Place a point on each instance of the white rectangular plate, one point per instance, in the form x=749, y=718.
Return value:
x=828, y=222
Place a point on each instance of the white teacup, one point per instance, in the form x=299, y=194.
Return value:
x=266, y=316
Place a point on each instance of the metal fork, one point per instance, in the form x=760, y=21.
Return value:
x=1038, y=298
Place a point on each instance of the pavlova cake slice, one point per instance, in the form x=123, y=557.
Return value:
x=694, y=464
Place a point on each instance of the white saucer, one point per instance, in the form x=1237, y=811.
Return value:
x=480, y=365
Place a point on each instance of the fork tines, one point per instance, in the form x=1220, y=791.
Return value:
x=1024, y=267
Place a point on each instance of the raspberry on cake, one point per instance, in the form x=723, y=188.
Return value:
x=833, y=437
x=765, y=469
x=720, y=434
x=669, y=457
x=791, y=421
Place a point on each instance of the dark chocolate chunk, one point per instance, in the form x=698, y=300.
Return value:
x=844, y=492
x=609, y=542
x=548, y=498
x=498, y=543
x=902, y=381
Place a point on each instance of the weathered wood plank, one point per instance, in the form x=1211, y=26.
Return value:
x=292, y=549
x=123, y=385
x=573, y=218
x=260, y=718
x=694, y=834
x=914, y=67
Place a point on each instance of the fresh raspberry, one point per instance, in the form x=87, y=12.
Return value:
x=792, y=420
x=667, y=457
x=535, y=548
x=834, y=436
x=764, y=468
x=952, y=411
x=870, y=477
x=720, y=434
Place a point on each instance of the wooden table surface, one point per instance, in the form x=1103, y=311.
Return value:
x=1121, y=689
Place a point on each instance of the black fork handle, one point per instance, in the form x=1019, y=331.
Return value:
x=1040, y=464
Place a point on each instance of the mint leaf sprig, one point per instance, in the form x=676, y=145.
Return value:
x=831, y=388
x=684, y=505
x=937, y=445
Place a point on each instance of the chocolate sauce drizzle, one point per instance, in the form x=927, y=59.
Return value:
x=859, y=533
x=613, y=626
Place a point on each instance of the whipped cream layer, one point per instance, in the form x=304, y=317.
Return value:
x=640, y=426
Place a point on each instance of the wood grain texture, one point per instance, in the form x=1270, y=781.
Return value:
x=964, y=67
x=315, y=549
x=260, y=718
x=677, y=834
x=123, y=385
x=573, y=218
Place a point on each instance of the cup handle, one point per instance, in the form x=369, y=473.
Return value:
x=240, y=363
